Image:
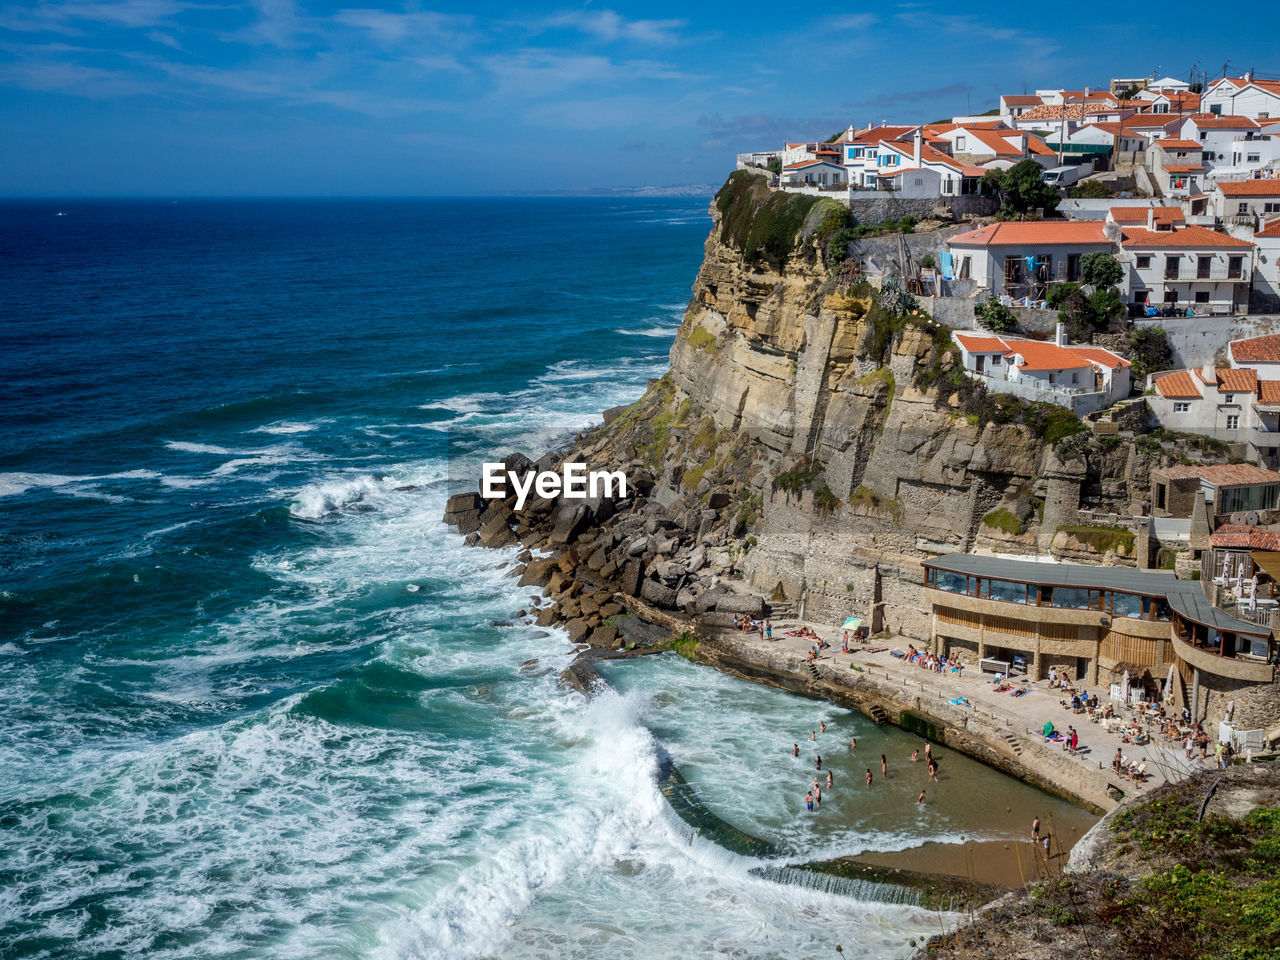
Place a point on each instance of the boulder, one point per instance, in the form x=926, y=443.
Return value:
x=570, y=610
x=570, y=521
x=546, y=616
x=609, y=570
x=685, y=598
x=472, y=539
x=461, y=503
x=740, y=603
x=568, y=560
x=713, y=619
x=598, y=559
x=611, y=609
x=588, y=606
x=697, y=560
x=496, y=533
x=632, y=574
x=578, y=630
x=658, y=594
x=605, y=635
x=467, y=522
x=718, y=499
x=538, y=573
x=637, y=546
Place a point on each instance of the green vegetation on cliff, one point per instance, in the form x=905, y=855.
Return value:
x=767, y=224
x=1102, y=539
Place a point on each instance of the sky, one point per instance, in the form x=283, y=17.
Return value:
x=357, y=98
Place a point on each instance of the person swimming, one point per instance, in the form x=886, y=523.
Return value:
x=884, y=766
x=818, y=761
x=795, y=751
x=870, y=778
x=822, y=726
x=921, y=799
x=915, y=755
x=830, y=780
x=817, y=795
x=808, y=800
x=853, y=743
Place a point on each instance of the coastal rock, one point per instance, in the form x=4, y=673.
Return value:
x=611, y=609
x=659, y=594
x=605, y=635
x=577, y=629
x=632, y=574
x=598, y=559
x=461, y=503
x=637, y=546
x=741, y=603
x=718, y=500
x=609, y=570
x=496, y=533
x=468, y=521
x=570, y=521
x=546, y=616
x=538, y=572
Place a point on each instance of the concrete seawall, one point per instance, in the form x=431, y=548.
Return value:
x=917, y=708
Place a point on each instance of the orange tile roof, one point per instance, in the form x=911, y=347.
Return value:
x=1269, y=391
x=1185, y=238
x=1237, y=380
x=1037, y=355
x=809, y=163
x=1250, y=188
x=1018, y=100
x=981, y=344
x=1115, y=129
x=1102, y=356
x=1183, y=168
x=1250, y=538
x=1265, y=349
x=1035, y=231
x=1221, y=474
x=1139, y=214
x=1177, y=386
x=1169, y=144
x=997, y=141
x=1072, y=111
x=1215, y=121
x=1272, y=229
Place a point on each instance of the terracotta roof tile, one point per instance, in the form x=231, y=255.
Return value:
x=1237, y=380
x=1264, y=349
x=981, y=344
x=1037, y=355
x=1169, y=144
x=1214, y=121
x=1272, y=229
x=1250, y=538
x=1047, y=232
x=1183, y=168
x=1139, y=214
x=1269, y=391
x=1250, y=188
x=1073, y=111
x=1102, y=356
x=1177, y=386
x=1186, y=238
x=1221, y=474
x=1018, y=100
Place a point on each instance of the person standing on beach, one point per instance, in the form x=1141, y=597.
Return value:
x=884, y=767
x=1035, y=829
x=869, y=777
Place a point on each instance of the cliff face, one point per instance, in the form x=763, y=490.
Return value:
x=792, y=387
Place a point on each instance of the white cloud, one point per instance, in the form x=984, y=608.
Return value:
x=609, y=26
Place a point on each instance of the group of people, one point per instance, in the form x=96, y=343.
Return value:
x=934, y=662
x=813, y=796
x=746, y=624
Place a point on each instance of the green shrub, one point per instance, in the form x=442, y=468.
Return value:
x=762, y=223
x=995, y=316
x=1005, y=521
x=1102, y=539
x=701, y=338
x=824, y=501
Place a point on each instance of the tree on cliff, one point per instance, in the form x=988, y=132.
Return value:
x=1020, y=188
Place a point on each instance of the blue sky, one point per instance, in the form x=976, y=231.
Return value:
x=296, y=97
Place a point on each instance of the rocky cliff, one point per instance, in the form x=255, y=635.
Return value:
x=814, y=441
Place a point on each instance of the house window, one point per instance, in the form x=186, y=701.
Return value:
x=1252, y=157
x=1271, y=208
x=959, y=143
x=1202, y=296
x=1202, y=267
x=1181, y=406
x=1229, y=398
x=1171, y=268
x=964, y=267
x=1215, y=108
x=1234, y=267
x=1073, y=267
x=995, y=360
x=1144, y=262
x=1233, y=421
x=1203, y=135
x=1242, y=208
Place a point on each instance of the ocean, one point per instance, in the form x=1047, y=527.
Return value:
x=255, y=701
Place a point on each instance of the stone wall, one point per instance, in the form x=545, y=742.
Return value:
x=1196, y=341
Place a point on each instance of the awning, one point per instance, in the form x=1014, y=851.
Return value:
x=851, y=623
x=1268, y=561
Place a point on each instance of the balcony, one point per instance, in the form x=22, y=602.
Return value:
x=1211, y=661
x=1171, y=274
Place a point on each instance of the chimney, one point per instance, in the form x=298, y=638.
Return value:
x=884, y=123
x=915, y=148
x=1022, y=142
x=1060, y=334
x=1151, y=218
x=1210, y=373
x=848, y=134
x=1086, y=92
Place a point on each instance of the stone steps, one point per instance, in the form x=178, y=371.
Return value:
x=877, y=714
x=1013, y=743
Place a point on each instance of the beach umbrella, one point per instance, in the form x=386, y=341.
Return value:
x=1168, y=684
x=1226, y=567
x=1124, y=687
x=1253, y=593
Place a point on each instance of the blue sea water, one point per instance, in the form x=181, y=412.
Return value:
x=254, y=703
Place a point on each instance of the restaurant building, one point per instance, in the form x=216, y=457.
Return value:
x=1098, y=622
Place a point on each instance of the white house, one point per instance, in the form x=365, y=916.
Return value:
x=1266, y=272
x=1152, y=126
x=1248, y=201
x=1237, y=405
x=1242, y=96
x=1055, y=116
x=1167, y=85
x=1177, y=165
x=1188, y=268
x=1013, y=106
x=1021, y=259
x=1082, y=379
x=1216, y=134
x=816, y=173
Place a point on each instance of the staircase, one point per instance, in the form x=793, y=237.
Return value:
x=813, y=670
x=782, y=610
x=1013, y=743
x=877, y=714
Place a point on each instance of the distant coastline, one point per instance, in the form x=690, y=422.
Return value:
x=675, y=190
